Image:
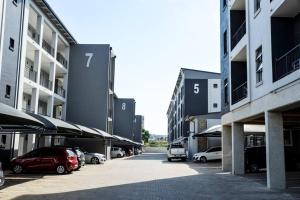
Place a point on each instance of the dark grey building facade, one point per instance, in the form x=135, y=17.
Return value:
x=225, y=97
x=91, y=90
x=196, y=93
x=124, y=117
x=138, y=126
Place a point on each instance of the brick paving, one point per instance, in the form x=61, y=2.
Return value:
x=148, y=176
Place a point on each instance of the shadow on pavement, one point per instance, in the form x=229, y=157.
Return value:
x=217, y=186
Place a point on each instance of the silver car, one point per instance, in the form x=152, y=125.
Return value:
x=2, y=178
x=94, y=158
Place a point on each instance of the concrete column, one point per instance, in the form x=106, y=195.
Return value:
x=275, y=151
x=35, y=100
x=50, y=104
x=52, y=75
x=238, y=154
x=226, y=149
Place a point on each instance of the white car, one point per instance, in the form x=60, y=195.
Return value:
x=117, y=152
x=2, y=178
x=176, y=151
x=212, y=153
x=94, y=158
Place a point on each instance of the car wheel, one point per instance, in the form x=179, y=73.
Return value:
x=17, y=169
x=169, y=159
x=119, y=156
x=253, y=168
x=95, y=160
x=203, y=159
x=60, y=169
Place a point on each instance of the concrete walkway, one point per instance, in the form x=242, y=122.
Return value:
x=148, y=176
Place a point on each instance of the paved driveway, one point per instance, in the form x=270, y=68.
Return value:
x=144, y=177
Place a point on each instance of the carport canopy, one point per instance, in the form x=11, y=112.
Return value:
x=13, y=120
x=124, y=141
x=88, y=132
x=216, y=131
x=57, y=127
x=104, y=134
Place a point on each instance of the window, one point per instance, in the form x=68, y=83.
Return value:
x=259, y=66
x=226, y=101
x=215, y=105
x=3, y=139
x=288, y=138
x=215, y=85
x=11, y=44
x=256, y=5
x=15, y=2
x=7, y=92
x=224, y=3
x=225, y=47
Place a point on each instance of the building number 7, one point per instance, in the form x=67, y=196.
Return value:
x=89, y=55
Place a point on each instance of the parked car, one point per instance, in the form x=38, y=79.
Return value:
x=176, y=151
x=94, y=158
x=117, y=152
x=59, y=159
x=212, y=153
x=80, y=155
x=255, y=158
x=2, y=178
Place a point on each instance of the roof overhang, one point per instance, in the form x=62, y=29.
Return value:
x=88, y=132
x=104, y=134
x=47, y=10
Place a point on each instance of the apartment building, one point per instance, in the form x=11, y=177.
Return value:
x=124, y=117
x=260, y=61
x=35, y=64
x=91, y=89
x=138, y=126
x=196, y=93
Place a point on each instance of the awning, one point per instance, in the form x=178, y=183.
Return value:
x=12, y=119
x=215, y=131
x=104, y=134
x=88, y=132
x=56, y=126
x=124, y=141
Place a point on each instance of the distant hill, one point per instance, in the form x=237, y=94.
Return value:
x=154, y=137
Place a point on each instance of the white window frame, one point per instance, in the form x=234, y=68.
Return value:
x=259, y=66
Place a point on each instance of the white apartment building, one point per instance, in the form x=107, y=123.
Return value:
x=262, y=42
x=44, y=46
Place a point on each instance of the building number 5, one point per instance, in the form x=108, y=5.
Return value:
x=196, y=88
x=89, y=55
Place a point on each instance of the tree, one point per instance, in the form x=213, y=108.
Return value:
x=145, y=135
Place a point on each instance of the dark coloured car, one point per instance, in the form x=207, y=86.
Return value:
x=59, y=159
x=80, y=155
x=255, y=158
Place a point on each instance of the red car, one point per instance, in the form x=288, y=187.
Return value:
x=59, y=159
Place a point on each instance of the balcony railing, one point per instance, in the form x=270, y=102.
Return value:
x=48, y=47
x=60, y=58
x=46, y=83
x=30, y=73
x=33, y=34
x=287, y=64
x=27, y=110
x=239, y=93
x=60, y=91
x=238, y=35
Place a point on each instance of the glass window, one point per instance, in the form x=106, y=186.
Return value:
x=7, y=92
x=215, y=105
x=256, y=5
x=226, y=101
x=225, y=47
x=11, y=44
x=259, y=65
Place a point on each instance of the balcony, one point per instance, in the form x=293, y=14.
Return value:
x=30, y=73
x=33, y=34
x=239, y=93
x=46, y=83
x=48, y=47
x=27, y=110
x=61, y=59
x=287, y=64
x=238, y=35
x=59, y=90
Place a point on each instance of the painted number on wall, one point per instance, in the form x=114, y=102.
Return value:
x=196, y=88
x=89, y=58
x=123, y=106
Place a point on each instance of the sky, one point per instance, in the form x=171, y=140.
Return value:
x=152, y=39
